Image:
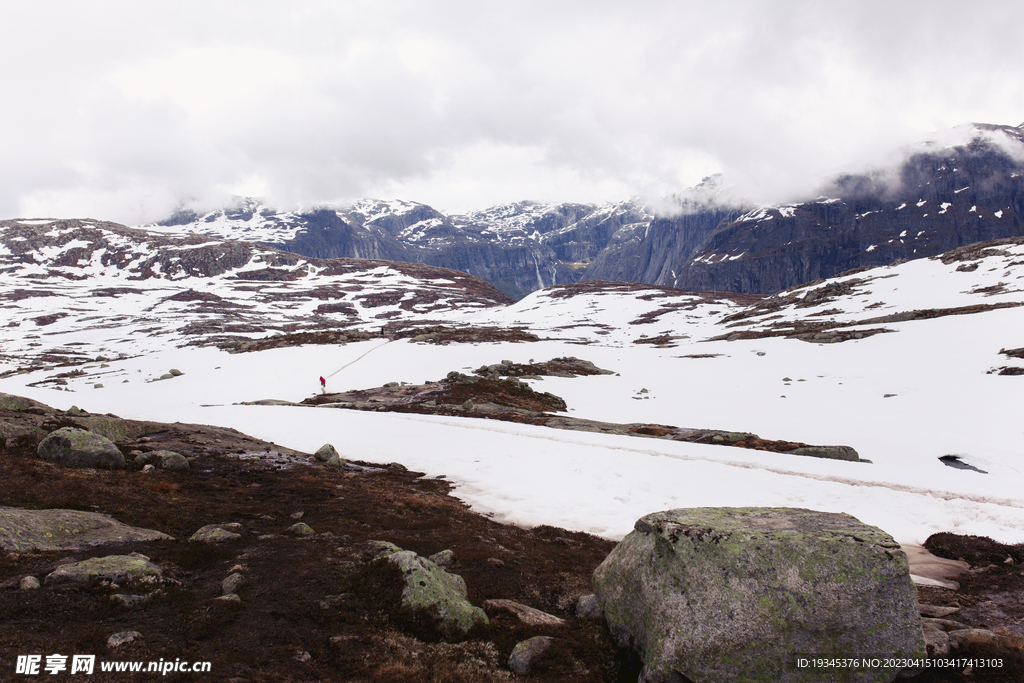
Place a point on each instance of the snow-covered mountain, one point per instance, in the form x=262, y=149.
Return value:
x=941, y=195
x=908, y=364
x=518, y=247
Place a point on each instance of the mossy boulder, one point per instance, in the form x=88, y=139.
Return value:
x=728, y=594
x=433, y=593
x=119, y=569
x=79, y=448
x=23, y=530
x=326, y=452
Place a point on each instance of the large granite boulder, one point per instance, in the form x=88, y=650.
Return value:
x=80, y=448
x=727, y=594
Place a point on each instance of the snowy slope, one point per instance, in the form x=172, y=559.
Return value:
x=919, y=382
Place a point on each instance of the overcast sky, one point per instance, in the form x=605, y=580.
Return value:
x=121, y=110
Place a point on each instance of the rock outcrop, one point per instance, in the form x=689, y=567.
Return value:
x=724, y=594
x=23, y=530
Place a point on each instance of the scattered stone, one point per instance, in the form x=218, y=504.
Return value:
x=47, y=530
x=381, y=548
x=326, y=452
x=587, y=608
x=176, y=373
x=445, y=558
x=336, y=461
x=214, y=533
x=232, y=583
x=129, y=601
x=723, y=594
x=230, y=597
x=122, y=638
x=962, y=638
x=526, y=651
x=119, y=569
x=936, y=642
x=936, y=611
x=526, y=615
x=301, y=529
x=169, y=460
x=29, y=583
x=297, y=515
x=302, y=656
x=80, y=448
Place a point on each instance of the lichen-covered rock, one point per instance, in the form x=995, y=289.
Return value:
x=326, y=452
x=434, y=592
x=66, y=530
x=12, y=402
x=301, y=529
x=119, y=569
x=725, y=594
x=214, y=533
x=526, y=651
x=175, y=462
x=79, y=448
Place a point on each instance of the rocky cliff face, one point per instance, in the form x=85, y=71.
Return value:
x=940, y=197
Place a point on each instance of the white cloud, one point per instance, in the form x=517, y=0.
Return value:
x=117, y=105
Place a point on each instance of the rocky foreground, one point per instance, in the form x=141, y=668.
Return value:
x=203, y=544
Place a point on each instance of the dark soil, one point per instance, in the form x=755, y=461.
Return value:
x=310, y=595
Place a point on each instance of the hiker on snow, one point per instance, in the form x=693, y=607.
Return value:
x=323, y=385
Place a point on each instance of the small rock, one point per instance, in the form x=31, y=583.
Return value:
x=526, y=615
x=526, y=651
x=29, y=583
x=936, y=642
x=936, y=611
x=970, y=636
x=445, y=558
x=336, y=461
x=297, y=515
x=231, y=584
x=382, y=548
x=302, y=656
x=122, y=638
x=587, y=608
x=175, y=462
x=230, y=597
x=176, y=373
x=149, y=468
x=214, y=533
x=325, y=453
x=301, y=529
x=128, y=601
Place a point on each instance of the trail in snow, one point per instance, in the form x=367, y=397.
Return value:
x=360, y=357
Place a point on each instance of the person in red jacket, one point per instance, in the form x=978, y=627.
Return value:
x=323, y=385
